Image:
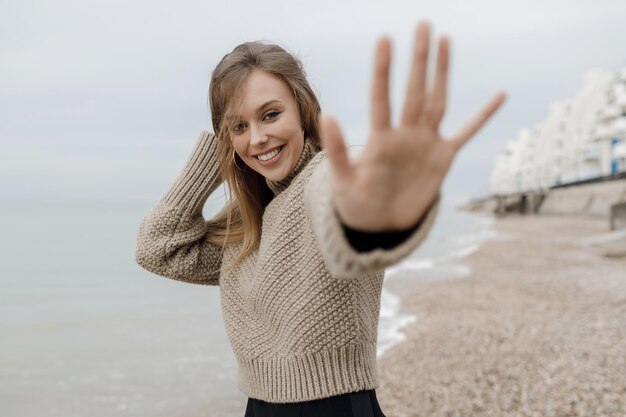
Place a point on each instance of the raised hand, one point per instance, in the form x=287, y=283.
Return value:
x=398, y=175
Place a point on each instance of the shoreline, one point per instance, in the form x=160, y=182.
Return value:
x=538, y=327
x=442, y=264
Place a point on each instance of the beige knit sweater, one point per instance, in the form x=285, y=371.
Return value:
x=301, y=313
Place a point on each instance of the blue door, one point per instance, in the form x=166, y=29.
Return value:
x=614, y=162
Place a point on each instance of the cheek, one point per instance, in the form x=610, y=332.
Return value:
x=240, y=144
x=293, y=128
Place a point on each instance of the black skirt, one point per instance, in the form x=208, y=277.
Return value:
x=354, y=404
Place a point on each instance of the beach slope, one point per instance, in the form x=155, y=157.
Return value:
x=537, y=329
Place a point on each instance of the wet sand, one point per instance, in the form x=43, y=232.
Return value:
x=537, y=329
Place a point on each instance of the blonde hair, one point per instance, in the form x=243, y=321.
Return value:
x=248, y=194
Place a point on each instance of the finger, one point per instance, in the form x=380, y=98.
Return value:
x=417, y=79
x=332, y=141
x=479, y=120
x=437, y=100
x=380, y=106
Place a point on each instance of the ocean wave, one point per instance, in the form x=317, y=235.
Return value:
x=391, y=322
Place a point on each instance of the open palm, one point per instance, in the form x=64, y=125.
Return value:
x=398, y=175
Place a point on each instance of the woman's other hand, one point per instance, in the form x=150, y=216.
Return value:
x=399, y=173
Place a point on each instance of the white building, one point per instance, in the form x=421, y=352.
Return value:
x=504, y=177
x=581, y=138
x=551, y=143
x=582, y=153
x=610, y=131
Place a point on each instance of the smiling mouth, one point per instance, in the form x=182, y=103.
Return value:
x=270, y=155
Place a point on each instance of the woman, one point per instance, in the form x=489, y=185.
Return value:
x=300, y=248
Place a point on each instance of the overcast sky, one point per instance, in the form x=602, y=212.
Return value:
x=105, y=99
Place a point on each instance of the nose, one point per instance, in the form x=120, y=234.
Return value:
x=257, y=136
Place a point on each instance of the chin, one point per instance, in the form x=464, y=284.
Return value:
x=275, y=177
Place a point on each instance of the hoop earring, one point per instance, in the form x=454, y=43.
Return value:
x=235, y=162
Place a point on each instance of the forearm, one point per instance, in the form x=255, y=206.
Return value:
x=172, y=239
x=367, y=241
x=199, y=178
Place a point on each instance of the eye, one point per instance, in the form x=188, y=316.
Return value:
x=238, y=127
x=271, y=115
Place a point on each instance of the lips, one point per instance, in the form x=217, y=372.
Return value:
x=268, y=151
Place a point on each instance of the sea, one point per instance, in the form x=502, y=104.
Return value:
x=87, y=332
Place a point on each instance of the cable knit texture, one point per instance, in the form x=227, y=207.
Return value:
x=301, y=312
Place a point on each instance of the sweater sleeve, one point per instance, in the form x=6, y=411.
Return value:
x=363, y=241
x=336, y=242
x=173, y=236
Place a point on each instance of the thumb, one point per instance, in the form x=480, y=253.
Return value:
x=332, y=141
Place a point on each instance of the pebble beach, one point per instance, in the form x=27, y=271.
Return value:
x=538, y=328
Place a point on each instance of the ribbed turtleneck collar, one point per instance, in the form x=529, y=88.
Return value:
x=308, y=151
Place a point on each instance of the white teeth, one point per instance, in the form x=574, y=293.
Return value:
x=270, y=155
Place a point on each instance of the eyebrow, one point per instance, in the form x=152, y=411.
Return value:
x=230, y=117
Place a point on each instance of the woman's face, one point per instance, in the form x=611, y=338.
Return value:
x=268, y=121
